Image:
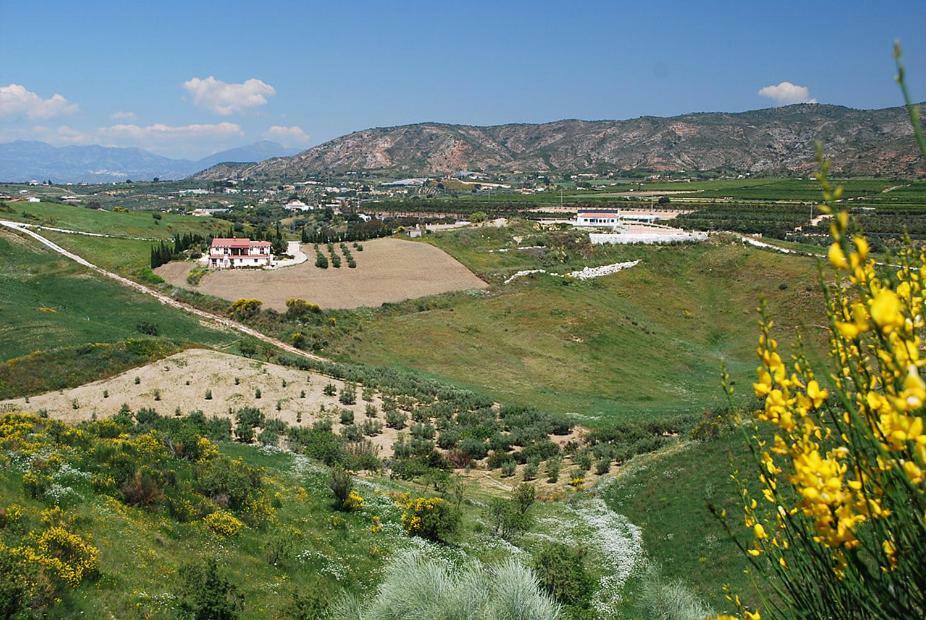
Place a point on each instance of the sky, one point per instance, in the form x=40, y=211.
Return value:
x=186, y=79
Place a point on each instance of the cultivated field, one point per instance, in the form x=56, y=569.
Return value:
x=183, y=380
x=388, y=270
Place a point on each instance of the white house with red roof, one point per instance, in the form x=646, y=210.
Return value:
x=233, y=253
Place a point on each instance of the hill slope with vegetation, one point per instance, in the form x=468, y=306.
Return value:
x=766, y=142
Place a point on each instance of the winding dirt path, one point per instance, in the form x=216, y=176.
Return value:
x=161, y=297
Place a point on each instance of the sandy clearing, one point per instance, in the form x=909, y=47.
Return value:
x=183, y=379
x=388, y=270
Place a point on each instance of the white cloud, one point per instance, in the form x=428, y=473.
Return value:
x=17, y=100
x=224, y=98
x=287, y=136
x=787, y=93
x=123, y=116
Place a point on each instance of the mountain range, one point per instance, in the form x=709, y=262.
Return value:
x=765, y=142
x=25, y=160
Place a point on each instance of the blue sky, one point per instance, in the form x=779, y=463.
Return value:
x=137, y=73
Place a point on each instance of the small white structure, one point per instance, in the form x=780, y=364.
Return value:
x=599, y=218
x=297, y=205
x=234, y=253
x=33, y=199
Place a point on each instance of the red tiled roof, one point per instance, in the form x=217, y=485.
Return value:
x=239, y=243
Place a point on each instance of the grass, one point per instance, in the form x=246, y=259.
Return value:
x=130, y=224
x=666, y=494
x=52, y=310
x=646, y=342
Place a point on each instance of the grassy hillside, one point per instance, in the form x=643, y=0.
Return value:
x=646, y=341
x=69, y=322
x=667, y=493
x=128, y=224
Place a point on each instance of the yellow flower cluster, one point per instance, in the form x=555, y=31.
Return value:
x=223, y=523
x=354, y=501
x=833, y=451
x=64, y=554
x=415, y=512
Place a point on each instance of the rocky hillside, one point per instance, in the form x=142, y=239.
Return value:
x=770, y=141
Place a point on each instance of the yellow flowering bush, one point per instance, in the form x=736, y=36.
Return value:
x=840, y=528
x=223, y=523
x=68, y=556
x=354, y=501
x=433, y=518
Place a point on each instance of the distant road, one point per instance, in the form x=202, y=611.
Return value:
x=161, y=297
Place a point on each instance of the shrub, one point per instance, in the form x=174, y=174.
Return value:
x=530, y=471
x=223, y=523
x=396, y=419
x=508, y=468
x=416, y=587
x=205, y=593
x=67, y=555
x=553, y=468
x=297, y=308
x=330, y=390
x=348, y=395
x=562, y=572
x=433, y=518
x=505, y=519
x=347, y=416
x=342, y=486
x=147, y=328
x=246, y=308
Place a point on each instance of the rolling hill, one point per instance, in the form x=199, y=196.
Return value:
x=770, y=141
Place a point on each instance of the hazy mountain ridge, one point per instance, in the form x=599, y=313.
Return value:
x=769, y=141
x=25, y=160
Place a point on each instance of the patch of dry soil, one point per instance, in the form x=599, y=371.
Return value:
x=182, y=380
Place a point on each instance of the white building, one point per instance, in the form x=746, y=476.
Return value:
x=598, y=218
x=297, y=205
x=232, y=253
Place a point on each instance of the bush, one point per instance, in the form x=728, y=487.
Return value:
x=416, y=587
x=530, y=471
x=553, y=468
x=205, y=593
x=433, y=518
x=342, y=485
x=223, y=524
x=348, y=395
x=396, y=419
x=245, y=308
x=347, y=416
x=562, y=572
x=148, y=328
x=298, y=308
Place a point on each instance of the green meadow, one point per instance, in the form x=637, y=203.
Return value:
x=52, y=308
x=648, y=341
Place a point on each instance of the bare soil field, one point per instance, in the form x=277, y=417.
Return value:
x=388, y=270
x=181, y=381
